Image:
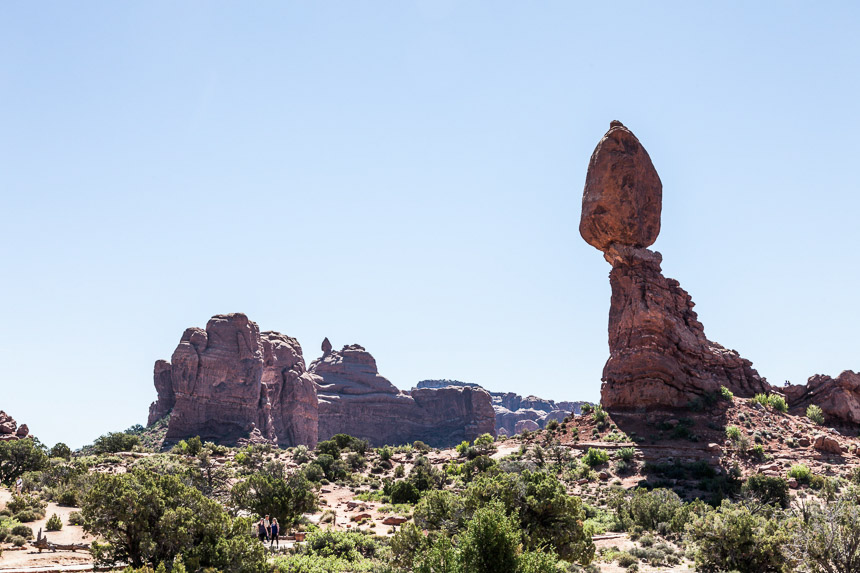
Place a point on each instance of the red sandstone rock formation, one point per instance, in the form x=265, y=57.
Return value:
x=659, y=354
x=838, y=398
x=227, y=381
x=355, y=399
x=9, y=428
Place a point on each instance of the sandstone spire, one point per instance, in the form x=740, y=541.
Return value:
x=659, y=354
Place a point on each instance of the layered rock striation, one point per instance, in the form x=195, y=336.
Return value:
x=838, y=398
x=659, y=354
x=355, y=399
x=230, y=382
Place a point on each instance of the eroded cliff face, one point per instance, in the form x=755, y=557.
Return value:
x=659, y=354
x=355, y=399
x=228, y=380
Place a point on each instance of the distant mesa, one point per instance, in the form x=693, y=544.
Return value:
x=511, y=408
x=659, y=355
x=355, y=399
x=9, y=428
x=230, y=383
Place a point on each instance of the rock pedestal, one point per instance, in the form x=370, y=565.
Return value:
x=659, y=354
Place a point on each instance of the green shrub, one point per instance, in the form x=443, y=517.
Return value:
x=484, y=445
x=760, y=399
x=815, y=413
x=731, y=537
x=801, y=473
x=26, y=502
x=491, y=541
x=54, y=523
x=599, y=415
x=552, y=425
x=726, y=394
x=625, y=559
x=75, y=518
x=24, y=531
x=733, y=433
x=403, y=492
x=18, y=540
x=28, y=515
x=20, y=456
x=626, y=454
x=777, y=402
x=60, y=450
x=773, y=490
x=348, y=545
x=595, y=457
x=115, y=442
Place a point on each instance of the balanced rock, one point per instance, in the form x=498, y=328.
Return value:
x=230, y=381
x=355, y=399
x=623, y=194
x=659, y=354
x=838, y=398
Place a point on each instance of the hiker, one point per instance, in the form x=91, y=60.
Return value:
x=276, y=530
x=261, y=530
x=19, y=485
x=268, y=527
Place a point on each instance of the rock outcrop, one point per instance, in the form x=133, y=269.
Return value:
x=511, y=408
x=355, y=399
x=228, y=380
x=9, y=428
x=659, y=354
x=838, y=398
x=232, y=384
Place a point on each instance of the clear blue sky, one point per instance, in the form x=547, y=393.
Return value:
x=408, y=176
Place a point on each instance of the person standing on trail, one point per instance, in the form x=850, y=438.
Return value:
x=268, y=527
x=276, y=530
x=19, y=485
x=261, y=530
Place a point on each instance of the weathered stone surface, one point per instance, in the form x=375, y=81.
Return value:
x=623, y=194
x=526, y=426
x=228, y=380
x=659, y=354
x=9, y=428
x=394, y=520
x=824, y=443
x=8, y=425
x=838, y=398
x=355, y=399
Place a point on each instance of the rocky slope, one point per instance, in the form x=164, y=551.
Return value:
x=511, y=408
x=9, y=428
x=659, y=354
x=355, y=399
x=231, y=382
